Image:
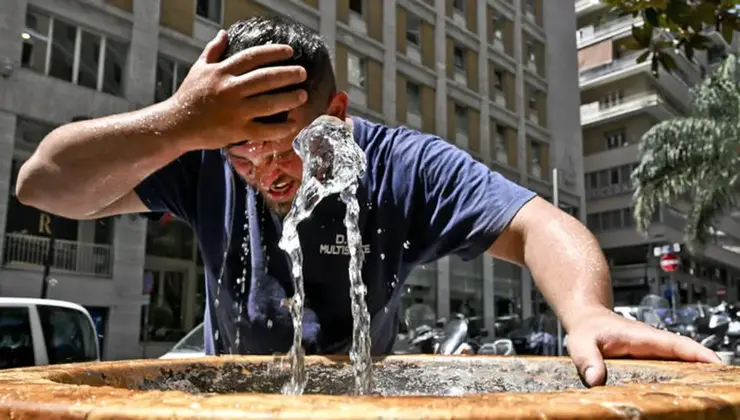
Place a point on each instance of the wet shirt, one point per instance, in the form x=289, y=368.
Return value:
x=420, y=198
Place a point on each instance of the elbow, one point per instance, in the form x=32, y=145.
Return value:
x=29, y=186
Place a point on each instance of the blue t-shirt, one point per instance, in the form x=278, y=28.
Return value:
x=421, y=198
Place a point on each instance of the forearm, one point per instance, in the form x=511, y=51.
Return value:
x=81, y=168
x=568, y=266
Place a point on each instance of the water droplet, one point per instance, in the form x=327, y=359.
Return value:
x=385, y=309
x=269, y=324
x=215, y=334
x=406, y=244
x=216, y=302
x=382, y=256
x=380, y=231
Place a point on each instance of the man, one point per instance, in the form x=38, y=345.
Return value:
x=218, y=154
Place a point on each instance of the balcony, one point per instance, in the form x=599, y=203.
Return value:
x=676, y=84
x=588, y=6
x=29, y=252
x=610, y=191
x=647, y=102
x=610, y=29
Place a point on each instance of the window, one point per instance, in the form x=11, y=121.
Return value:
x=16, y=341
x=459, y=58
x=461, y=119
x=531, y=8
x=502, y=152
x=69, y=336
x=498, y=26
x=61, y=50
x=413, y=27
x=615, y=139
x=625, y=174
x=593, y=221
x=498, y=80
x=611, y=99
x=169, y=76
x=614, y=176
x=532, y=99
x=627, y=217
x=170, y=240
x=356, y=6
x=357, y=67
x=534, y=159
x=209, y=9
x=165, y=320
x=413, y=96
x=535, y=153
x=459, y=5
x=531, y=52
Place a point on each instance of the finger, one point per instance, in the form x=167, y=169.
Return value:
x=268, y=79
x=214, y=49
x=588, y=360
x=269, y=104
x=256, y=57
x=665, y=345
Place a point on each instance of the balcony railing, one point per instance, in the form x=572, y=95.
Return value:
x=606, y=29
x=28, y=251
x=610, y=67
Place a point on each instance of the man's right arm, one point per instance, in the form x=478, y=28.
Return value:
x=89, y=169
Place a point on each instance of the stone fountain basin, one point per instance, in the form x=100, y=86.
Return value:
x=406, y=387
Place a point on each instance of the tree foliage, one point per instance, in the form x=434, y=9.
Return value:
x=694, y=157
x=685, y=23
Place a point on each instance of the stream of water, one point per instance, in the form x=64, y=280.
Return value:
x=332, y=164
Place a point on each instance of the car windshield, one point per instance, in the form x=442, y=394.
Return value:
x=192, y=342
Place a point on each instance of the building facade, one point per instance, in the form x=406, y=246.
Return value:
x=620, y=100
x=495, y=77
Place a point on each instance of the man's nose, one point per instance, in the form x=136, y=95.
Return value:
x=269, y=175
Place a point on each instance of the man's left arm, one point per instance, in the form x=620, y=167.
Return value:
x=563, y=256
x=570, y=270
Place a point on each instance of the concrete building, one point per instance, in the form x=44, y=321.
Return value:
x=620, y=100
x=496, y=77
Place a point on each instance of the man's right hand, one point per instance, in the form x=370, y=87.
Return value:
x=218, y=101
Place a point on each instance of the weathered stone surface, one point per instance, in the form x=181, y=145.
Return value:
x=406, y=387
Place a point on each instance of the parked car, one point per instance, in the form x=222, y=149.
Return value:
x=37, y=332
x=192, y=345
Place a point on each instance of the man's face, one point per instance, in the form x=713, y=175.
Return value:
x=273, y=167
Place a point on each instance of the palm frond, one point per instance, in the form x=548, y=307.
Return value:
x=709, y=201
x=718, y=96
x=677, y=156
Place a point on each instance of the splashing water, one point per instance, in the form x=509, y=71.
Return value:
x=332, y=164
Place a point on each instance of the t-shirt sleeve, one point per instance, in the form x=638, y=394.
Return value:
x=457, y=204
x=174, y=187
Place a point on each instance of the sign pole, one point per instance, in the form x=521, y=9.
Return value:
x=556, y=202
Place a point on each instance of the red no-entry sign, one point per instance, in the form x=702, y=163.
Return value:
x=669, y=262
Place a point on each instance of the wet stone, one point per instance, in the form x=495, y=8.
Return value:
x=391, y=378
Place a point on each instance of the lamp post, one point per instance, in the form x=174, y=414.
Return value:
x=49, y=260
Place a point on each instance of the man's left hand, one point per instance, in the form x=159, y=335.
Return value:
x=601, y=334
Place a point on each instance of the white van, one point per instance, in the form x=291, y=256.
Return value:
x=36, y=332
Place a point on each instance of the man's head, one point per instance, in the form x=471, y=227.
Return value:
x=273, y=167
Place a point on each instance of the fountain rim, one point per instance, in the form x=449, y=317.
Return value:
x=40, y=391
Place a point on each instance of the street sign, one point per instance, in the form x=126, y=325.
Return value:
x=669, y=262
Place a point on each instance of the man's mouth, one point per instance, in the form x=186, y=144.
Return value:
x=282, y=189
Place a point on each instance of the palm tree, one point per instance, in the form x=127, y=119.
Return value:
x=693, y=156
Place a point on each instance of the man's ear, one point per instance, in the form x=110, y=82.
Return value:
x=338, y=105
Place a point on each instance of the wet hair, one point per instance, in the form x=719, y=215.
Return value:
x=309, y=51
